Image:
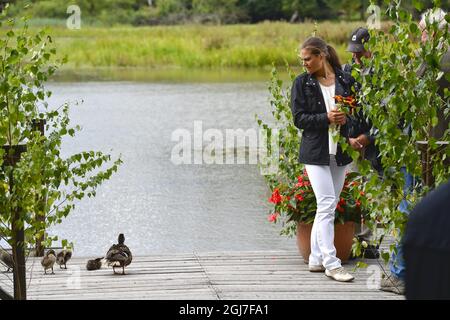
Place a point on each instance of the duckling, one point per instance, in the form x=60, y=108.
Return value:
x=63, y=257
x=6, y=259
x=48, y=261
x=94, y=264
x=119, y=255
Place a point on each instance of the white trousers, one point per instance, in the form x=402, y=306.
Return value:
x=327, y=183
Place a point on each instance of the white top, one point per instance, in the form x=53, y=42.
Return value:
x=328, y=96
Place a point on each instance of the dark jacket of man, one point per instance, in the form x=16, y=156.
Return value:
x=427, y=247
x=310, y=115
x=361, y=125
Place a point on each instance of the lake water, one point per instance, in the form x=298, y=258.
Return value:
x=159, y=206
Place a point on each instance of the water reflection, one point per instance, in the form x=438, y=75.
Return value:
x=161, y=207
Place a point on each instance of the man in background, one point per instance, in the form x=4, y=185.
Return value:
x=361, y=137
x=427, y=247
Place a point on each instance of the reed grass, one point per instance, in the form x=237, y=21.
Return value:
x=255, y=46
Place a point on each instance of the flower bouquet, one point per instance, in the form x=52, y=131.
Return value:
x=346, y=105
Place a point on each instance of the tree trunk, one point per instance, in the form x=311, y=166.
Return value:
x=12, y=157
x=39, y=125
x=18, y=240
x=294, y=17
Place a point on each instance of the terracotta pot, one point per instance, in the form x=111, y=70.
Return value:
x=343, y=240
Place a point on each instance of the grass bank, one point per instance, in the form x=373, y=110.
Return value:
x=194, y=46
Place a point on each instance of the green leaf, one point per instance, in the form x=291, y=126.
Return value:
x=361, y=264
x=434, y=121
x=413, y=28
x=447, y=77
x=418, y=5
x=13, y=57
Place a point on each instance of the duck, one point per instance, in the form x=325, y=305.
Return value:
x=6, y=259
x=94, y=264
x=119, y=255
x=63, y=257
x=48, y=261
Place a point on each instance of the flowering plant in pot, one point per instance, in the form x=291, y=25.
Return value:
x=295, y=201
x=295, y=204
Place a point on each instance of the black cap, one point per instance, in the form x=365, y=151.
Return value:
x=357, y=40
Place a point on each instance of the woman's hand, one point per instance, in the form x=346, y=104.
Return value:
x=336, y=117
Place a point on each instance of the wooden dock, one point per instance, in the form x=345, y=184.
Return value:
x=250, y=275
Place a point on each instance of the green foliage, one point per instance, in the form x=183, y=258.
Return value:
x=138, y=12
x=43, y=185
x=289, y=141
x=105, y=12
x=224, y=11
x=260, y=10
x=319, y=9
x=393, y=97
x=167, y=7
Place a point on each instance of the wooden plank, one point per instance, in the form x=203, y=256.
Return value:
x=161, y=294
x=211, y=275
x=124, y=291
x=297, y=296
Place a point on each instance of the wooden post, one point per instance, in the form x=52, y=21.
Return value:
x=11, y=158
x=39, y=125
x=426, y=156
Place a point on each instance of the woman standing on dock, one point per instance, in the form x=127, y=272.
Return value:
x=314, y=111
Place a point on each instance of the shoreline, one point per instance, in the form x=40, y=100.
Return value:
x=168, y=74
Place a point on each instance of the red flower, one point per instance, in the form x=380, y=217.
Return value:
x=273, y=217
x=300, y=183
x=355, y=183
x=276, y=197
x=342, y=202
x=299, y=197
x=305, y=173
x=340, y=209
x=350, y=100
x=339, y=98
x=362, y=193
x=358, y=203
